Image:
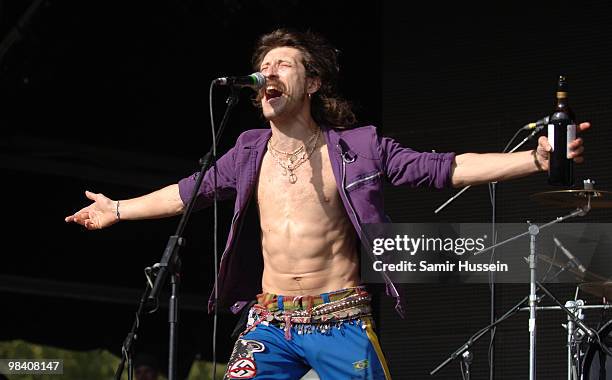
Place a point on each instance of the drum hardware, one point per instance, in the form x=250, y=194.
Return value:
x=577, y=360
x=583, y=200
x=557, y=308
x=474, y=338
x=576, y=197
x=576, y=339
x=601, y=289
x=595, y=279
x=466, y=361
x=533, y=230
x=597, y=362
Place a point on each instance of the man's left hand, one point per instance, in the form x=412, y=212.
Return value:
x=543, y=150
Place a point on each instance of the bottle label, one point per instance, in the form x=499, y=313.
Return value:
x=551, y=136
x=571, y=136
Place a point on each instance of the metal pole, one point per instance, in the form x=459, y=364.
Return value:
x=533, y=231
x=570, y=334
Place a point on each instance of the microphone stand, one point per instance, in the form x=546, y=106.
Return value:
x=170, y=262
x=474, y=338
x=126, y=348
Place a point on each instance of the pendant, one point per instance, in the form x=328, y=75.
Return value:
x=284, y=171
x=292, y=158
x=292, y=178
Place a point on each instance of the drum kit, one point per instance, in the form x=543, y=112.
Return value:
x=589, y=350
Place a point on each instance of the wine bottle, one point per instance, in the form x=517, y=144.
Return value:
x=561, y=132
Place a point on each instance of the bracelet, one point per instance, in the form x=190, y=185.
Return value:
x=535, y=160
x=118, y=213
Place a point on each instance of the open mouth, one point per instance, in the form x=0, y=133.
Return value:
x=273, y=93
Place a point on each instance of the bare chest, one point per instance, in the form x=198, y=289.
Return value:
x=314, y=189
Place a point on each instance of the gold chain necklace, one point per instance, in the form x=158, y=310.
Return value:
x=292, y=156
x=293, y=159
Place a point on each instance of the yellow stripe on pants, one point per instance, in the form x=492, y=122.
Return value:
x=374, y=339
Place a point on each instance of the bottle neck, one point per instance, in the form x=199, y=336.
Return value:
x=563, y=110
x=562, y=102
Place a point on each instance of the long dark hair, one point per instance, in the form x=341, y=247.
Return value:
x=320, y=60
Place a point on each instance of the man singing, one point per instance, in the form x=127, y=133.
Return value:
x=308, y=182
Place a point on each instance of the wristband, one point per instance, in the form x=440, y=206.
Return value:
x=535, y=160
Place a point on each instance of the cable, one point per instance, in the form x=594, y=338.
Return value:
x=550, y=265
x=490, y=353
x=512, y=140
x=215, y=225
x=492, y=199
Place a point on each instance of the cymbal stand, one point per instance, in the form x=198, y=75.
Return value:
x=574, y=339
x=533, y=231
x=466, y=361
x=576, y=317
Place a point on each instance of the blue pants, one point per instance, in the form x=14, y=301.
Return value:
x=350, y=351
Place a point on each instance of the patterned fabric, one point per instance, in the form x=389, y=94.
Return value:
x=311, y=313
x=281, y=348
x=270, y=301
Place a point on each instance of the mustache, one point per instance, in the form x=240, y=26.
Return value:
x=262, y=92
x=276, y=84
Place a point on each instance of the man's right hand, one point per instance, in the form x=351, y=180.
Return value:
x=100, y=214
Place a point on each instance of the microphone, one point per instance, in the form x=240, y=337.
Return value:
x=255, y=81
x=543, y=121
x=569, y=255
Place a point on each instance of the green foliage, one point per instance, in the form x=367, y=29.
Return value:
x=203, y=370
x=78, y=365
x=89, y=365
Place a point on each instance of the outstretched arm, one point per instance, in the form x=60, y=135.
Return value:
x=473, y=168
x=162, y=203
x=105, y=212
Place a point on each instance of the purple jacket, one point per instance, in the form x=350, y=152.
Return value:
x=360, y=160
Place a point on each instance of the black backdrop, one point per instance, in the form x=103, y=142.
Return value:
x=464, y=77
x=112, y=97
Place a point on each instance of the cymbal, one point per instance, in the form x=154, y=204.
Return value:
x=584, y=276
x=598, y=289
x=574, y=198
